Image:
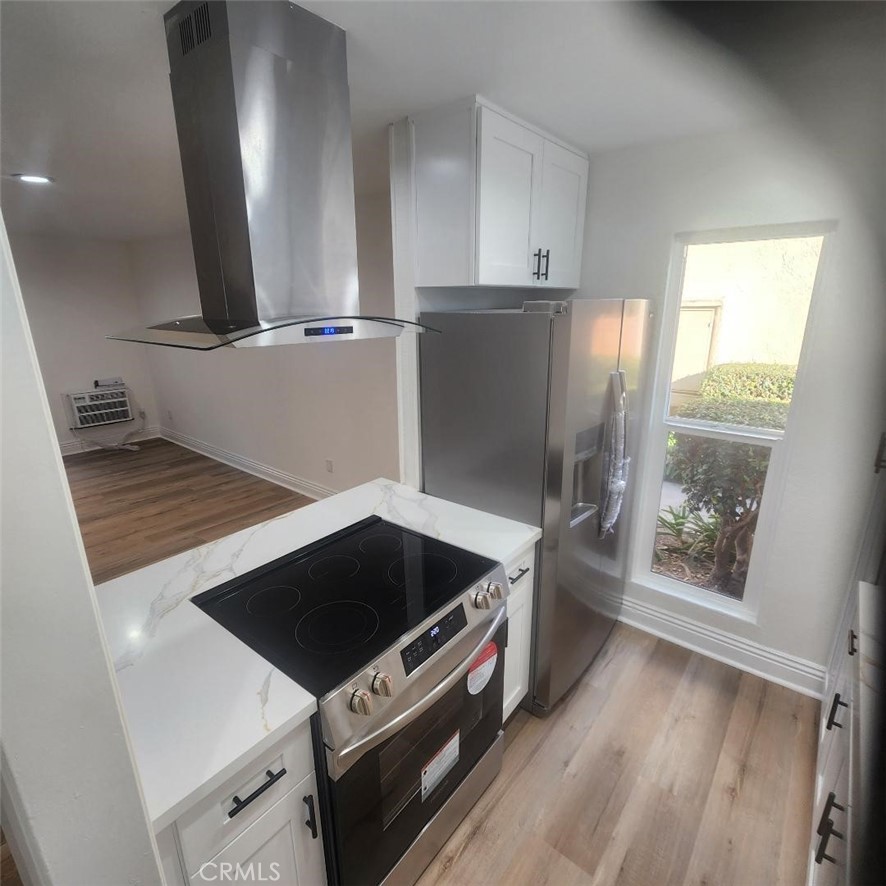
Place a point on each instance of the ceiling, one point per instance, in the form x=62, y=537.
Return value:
x=84, y=93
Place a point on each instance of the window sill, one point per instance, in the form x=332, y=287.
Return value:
x=740, y=610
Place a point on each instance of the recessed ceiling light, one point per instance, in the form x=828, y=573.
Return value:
x=33, y=179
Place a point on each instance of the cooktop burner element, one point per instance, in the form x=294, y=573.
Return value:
x=333, y=628
x=381, y=544
x=273, y=600
x=323, y=613
x=432, y=570
x=334, y=568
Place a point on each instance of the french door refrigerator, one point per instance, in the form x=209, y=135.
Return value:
x=534, y=414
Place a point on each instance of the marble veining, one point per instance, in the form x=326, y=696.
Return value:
x=199, y=703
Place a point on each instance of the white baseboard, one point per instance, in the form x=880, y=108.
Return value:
x=71, y=447
x=250, y=466
x=799, y=674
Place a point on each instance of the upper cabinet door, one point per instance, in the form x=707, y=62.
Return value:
x=561, y=216
x=509, y=194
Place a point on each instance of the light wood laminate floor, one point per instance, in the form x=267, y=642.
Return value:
x=135, y=508
x=661, y=767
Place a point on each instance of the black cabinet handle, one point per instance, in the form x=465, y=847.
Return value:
x=240, y=805
x=547, y=262
x=513, y=579
x=832, y=716
x=825, y=821
x=311, y=822
x=536, y=265
x=821, y=854
x=853, y=642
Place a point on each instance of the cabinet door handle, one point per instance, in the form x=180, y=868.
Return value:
x=513, y=579
x=821, y=854
x=853, y=642
x=536, y=265
x=547, y=262
x=240, y=805
x=832, y=716
x=311, y=822
x=825, y=820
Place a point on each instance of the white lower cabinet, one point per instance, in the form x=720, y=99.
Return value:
x=274, y=834
x=828, y=861
x=279, y=847
x=521, y=577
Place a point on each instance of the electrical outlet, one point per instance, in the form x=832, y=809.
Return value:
x=142, y=414
x=169, y=415
x=329, y=466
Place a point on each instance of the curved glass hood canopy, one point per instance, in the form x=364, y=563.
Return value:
x=262, y=111
x=195, y=334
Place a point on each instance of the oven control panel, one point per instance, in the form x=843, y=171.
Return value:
x=402, y=676
x=435, y=637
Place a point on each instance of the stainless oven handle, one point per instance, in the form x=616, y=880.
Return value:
x=379, y=735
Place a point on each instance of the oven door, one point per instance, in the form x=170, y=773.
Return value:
x=384, y=800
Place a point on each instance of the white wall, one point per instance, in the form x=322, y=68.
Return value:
x=72, y=805
x=77, y=292
x=285, y=409
x=639, y=200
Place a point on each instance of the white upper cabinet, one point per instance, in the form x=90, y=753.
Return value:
x=498, y=202
x=561, y=218
x=508, y=200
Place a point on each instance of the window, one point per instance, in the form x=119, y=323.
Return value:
x=732, y=340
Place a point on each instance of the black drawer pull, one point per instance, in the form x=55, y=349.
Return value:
x=830, y=803
x=311, y=822
x=240, y=805
x=853, y=642
x=513, y=579
x=832, y=716
x=547, y=263
x=536, y=265
x=821, y=854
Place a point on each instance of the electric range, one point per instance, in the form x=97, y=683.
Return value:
x=402, y=639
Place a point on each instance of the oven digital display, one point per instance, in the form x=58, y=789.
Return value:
x=435, y=637
x=328, y=330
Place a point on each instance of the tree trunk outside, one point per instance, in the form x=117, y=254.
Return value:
x=735, y=538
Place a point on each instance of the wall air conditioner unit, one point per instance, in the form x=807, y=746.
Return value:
x=103, y=406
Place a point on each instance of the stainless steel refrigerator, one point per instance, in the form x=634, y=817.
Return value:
x=534, y=414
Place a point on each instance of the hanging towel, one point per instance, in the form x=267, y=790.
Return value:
x=615, y=462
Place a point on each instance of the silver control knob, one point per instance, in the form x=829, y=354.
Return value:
x=361, y=702
x=383, y=685
x=495, y=590
x=482, y=600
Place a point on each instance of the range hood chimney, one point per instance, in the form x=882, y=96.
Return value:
x=262, y=109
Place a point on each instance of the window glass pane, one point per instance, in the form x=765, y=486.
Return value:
x=710, y=498
x=743, y=312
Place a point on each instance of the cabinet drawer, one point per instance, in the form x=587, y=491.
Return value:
x=278, y=847
x=208, y=827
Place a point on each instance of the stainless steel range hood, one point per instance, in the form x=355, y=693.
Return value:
x=262, y=109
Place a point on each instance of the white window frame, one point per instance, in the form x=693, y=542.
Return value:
x=660, y=424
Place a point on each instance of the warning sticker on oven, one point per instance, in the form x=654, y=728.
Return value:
x=434, y=771
x=480, y=672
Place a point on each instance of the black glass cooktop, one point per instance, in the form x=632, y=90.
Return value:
x=326, y=611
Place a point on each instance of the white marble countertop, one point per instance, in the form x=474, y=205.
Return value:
x=199, y=703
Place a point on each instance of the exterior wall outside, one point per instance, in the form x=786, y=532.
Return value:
x=743, y=278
